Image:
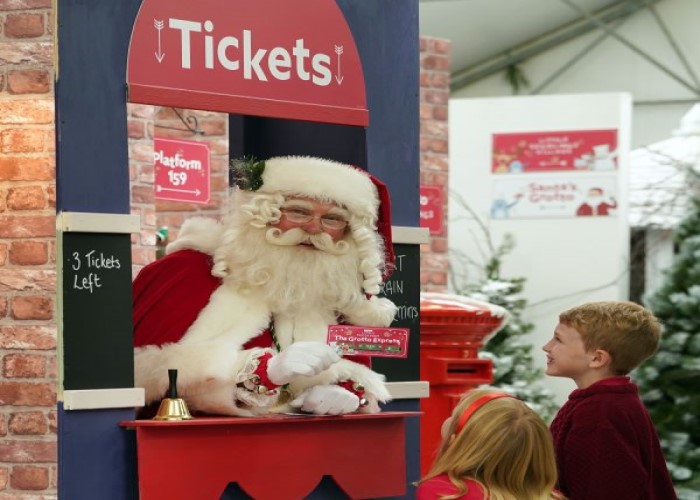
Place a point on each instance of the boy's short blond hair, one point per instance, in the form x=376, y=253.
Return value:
x=627, y=331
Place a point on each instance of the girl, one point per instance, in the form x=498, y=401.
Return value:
x=493, y=447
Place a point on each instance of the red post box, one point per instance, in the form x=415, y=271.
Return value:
x=452, y=330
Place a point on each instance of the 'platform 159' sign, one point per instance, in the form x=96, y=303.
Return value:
x=181, y=170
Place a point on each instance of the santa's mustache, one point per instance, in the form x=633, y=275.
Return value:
x=297, y=236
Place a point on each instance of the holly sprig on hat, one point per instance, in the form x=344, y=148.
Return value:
x=247, y=172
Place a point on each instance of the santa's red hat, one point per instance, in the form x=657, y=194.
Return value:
x=364, y=196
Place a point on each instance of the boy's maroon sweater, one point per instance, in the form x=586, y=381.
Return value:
x=607, y=446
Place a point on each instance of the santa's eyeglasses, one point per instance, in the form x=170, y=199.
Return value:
x=301, y=216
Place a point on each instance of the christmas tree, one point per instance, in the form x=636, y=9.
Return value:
x=670, y=381
x=513, y=365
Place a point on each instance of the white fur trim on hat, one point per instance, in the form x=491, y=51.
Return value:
x=324, y=180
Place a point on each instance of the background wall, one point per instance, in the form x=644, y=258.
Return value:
x=565, y=261
x=434, y=150
x=27, y=252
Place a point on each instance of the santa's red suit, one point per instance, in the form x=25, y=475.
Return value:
x=191, y=314
x=603, y=208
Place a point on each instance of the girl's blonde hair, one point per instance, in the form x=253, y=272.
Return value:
x=504, y=445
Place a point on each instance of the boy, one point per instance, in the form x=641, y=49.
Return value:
x=605, y=442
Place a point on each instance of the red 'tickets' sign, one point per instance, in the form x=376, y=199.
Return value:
x=181, y=170
x=431, y=213
x=292, y=59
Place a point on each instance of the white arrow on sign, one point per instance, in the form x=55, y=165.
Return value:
x=158, y=25
x=195, y=191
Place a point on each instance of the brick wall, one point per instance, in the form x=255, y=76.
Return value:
x=27, y=252
x=145, y=122
x=434, y=96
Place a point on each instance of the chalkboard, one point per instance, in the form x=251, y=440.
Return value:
x=403, y=288
x=97, y=326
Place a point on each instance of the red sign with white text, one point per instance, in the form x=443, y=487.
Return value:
x=531, y=152
x=292, y=59
x=368, y=341
x=181, y=170
x=431, y=212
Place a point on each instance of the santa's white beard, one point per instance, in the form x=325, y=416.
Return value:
x=292, y=277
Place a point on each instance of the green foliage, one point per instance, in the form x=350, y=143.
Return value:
x=247, y=173
x=515, y=77
x=514, y=368
x=670, y=381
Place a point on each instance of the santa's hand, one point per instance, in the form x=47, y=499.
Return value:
x=327, y=400
x=300, y=358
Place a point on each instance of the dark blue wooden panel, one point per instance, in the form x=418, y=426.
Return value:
x=96, y=457
x=386, y=34
x=91, y=151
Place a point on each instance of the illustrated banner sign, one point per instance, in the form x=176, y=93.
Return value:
x=529, y=152
x=431, y=212
x=550, y=197
x=293, y=59
x=181, y=170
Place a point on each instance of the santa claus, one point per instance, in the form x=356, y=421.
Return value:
x=241, y=308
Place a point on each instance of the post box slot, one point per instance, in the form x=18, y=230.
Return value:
x=462, y=370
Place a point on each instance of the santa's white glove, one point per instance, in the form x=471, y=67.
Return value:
x=300, y=358
x=327, y=400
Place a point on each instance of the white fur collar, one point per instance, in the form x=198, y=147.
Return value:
x=198, y=233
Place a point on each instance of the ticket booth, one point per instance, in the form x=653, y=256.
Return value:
x=330, y=78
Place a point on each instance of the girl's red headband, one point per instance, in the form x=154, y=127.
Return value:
x=464, y=417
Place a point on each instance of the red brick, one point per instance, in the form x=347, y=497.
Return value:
x=142, y=194
x=440, y=80
x=24, y=4
x=53, y=422
x=440, y=112
x=435, y=62
x=27, y=280
x=213, y=127
x=3, y=426
x=28, y=81
x=26, y=111
x=31, y=308
x=136, y=129
x=174, y=206
x=438, y=245
x=21, y=140
x=51, y=195
x=438, y=278
x=26, y=394
x=27, y=451
x=29, y=477
x=27, y=337
x=143, y=256
x=24, y=25
x=29, y=423
x=33, y=53
x=438, y=146
x=14, y=168
x=27, y=226
x=423, y=43
x=3, y=307
x=24, y=366
x=26, y=198
x=145, y=111
x=439, y=45
x=3, y=253
x=426, y=111
x=29, y=253
x=166, y=113
x=436, y=96
x=4, y=477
